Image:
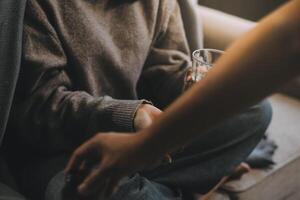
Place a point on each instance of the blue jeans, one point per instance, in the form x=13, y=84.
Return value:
x=135, y=188
x=197, y=168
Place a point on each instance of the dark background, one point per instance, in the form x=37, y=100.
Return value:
x=249, y=9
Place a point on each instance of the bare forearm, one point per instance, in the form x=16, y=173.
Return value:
x=252, y=68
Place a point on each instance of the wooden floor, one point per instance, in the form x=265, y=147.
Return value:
x=283, y=181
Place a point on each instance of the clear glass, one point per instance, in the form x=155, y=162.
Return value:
x=203, y=61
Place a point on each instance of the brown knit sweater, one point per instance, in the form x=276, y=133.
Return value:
x=87, y=62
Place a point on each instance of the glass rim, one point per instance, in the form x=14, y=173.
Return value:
x=206, y=49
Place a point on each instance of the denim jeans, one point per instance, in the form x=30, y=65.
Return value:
x=197, y=168
x=136, y=187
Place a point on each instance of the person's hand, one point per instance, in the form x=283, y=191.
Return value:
x=190, y=79
x=114, y=155
x=145, y=116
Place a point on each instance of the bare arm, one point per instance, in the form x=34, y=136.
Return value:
x=252, y=68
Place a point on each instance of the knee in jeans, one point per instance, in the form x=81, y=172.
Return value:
x=264, y=112
x=262, y=115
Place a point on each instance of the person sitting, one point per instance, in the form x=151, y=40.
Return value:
x=212, y=100
x=90, y=66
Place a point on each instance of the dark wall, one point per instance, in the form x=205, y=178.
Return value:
x=250, y=9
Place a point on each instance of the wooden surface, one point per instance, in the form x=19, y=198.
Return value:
x=283, y=181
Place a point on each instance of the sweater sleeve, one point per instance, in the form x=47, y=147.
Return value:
x=169, y=58
x=49, y=113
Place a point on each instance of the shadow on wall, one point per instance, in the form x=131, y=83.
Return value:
x=249, y=9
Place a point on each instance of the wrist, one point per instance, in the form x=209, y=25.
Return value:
x=150, y=147
x=145, y=115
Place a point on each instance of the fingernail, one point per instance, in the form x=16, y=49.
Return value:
x=82, y=189
x=68, y=178
x=67, y=171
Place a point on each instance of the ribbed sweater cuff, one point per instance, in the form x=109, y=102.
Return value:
x=123, y=114
x=110, y=114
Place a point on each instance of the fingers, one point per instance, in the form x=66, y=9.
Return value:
x=77, y=158
x=95, y=180
x=100, y=180
x=112, y=186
